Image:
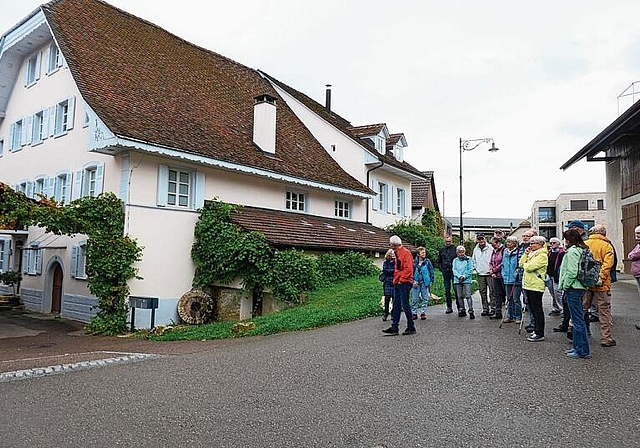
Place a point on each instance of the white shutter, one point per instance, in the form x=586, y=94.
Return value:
x=12, y=129
x=38, y=64
x=37, y=253
x=163, y=185
x=99, y=178
x=125, y=172
x=387, y=199
x=71, y=107
x=52, y=120
x=198, y=193
x=77, y=186
x=67, y=183
x=6, y=249
x=375, y=187
x=74, y=261
x=29, y=190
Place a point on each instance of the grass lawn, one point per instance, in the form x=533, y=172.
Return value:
x=341, y=302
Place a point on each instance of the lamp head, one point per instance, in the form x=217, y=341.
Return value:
x=493, y=147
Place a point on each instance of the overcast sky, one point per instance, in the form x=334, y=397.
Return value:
x=540, y=78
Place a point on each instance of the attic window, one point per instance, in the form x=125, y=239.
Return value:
x=380, y=144
x=33, y=69
x=398, y=152
x=54, y=60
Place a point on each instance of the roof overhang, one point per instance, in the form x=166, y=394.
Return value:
x=627, y=124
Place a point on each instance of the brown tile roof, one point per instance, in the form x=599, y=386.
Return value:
x=149, y=85
x=420, y=191
x=367, y=130
x=287, y=229
x=344, y=126
x=393, y=139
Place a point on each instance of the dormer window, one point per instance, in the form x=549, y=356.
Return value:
x=398, y=152
x=54, y=60
x=380, y=144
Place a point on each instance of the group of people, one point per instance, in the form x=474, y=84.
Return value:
x=512, y=275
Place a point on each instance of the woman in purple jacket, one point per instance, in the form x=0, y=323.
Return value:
x=634, y=256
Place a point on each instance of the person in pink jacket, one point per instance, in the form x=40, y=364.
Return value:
x=634, y=256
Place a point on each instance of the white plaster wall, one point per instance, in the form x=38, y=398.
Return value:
x=382, y=218
x=614, y=210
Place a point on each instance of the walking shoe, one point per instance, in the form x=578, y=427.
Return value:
x=554, y=313
x=391, y=331
x=423, y=316
x=529, y=329
x=518, y=321
x=637, y=326
x=471, y=315
x=415, y=316
x=575, y=355
x=610, y=343
x=535, y=338
x=449, y=311
x=569, y=350
x=561, y=329
x=462, y=313
x=385, y=317
x=492, y=313
x=507, y=320
x=409, y=331
x=496, y=316
x=594, y=318
x=484, y=313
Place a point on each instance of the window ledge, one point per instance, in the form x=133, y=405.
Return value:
x=60, y=134
x=53, y=71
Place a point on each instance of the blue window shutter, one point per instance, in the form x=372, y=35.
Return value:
x=11, y=132
x=125, y=172
x=77, y=186
x=198, y=193
x=71, y=107
x=74, y=261
x=387, y=198
x=24, y=134
x=394, y=199
x=52, y=120
x=45, y=123
x=49, y=187
x=28, y=124
x=376, y=186
x=5, y=254
x=99, y=178
x=67, y=183
x=38, y=64
x=47, y=56
x=29, y=191
x=25, y=261
x=163, y=185
x=38, y=260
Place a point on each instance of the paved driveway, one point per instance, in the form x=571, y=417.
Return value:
x=457, y=383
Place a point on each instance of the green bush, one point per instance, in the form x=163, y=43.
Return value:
x=333, y=267
x=292, y=274
x=418, y=235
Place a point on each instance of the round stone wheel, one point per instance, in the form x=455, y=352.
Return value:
x=195, y=307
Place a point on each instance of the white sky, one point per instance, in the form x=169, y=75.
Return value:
x=541, y=78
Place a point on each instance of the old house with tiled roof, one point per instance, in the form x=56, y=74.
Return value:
x=94, y=99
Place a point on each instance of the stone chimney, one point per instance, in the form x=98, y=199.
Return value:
x=264, y=123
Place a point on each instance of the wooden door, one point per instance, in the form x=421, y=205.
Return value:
x=56, y=292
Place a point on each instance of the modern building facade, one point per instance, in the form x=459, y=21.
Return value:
x=549, y=217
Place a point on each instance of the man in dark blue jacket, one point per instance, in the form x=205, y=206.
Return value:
x=445, y=262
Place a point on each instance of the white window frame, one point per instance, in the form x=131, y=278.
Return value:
x=5, y=252
x=39, y=127
x=62, y=187
x=383, y=196
x=54, y=59
x=63, y=120
x=79, y=261
x=343, y=209
x=296, y=201
x=32, y=259
x=89, y=181
x=179, y=187
x=17, y=133
x=380, y=144
x=398, y=152
x=195, y=189
x=1, y=147
x=401, y=200
x=32, y=70
x=39, y=187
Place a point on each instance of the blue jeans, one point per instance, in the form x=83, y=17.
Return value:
x=580, y=339
x=401, y=299
x=420, y=290
x=514, y=306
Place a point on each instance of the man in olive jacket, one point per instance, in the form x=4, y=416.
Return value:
x=602, y=251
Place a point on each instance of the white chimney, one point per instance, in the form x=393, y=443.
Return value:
x=264, y=123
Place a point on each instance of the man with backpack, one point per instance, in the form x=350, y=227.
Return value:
x=603, y=253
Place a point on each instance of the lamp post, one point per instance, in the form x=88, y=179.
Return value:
x=470, y=145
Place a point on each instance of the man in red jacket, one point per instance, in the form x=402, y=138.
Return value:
x=402, y=282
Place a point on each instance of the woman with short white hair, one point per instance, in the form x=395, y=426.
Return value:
x=634, y=256
x=534, y=263
x=512, y=281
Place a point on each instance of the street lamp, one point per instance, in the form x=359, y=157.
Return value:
x=470, y=145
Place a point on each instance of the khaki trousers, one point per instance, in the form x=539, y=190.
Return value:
x=602, y=300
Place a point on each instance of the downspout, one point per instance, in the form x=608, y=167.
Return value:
x=368, y=172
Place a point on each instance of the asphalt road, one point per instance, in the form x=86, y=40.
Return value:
x=457, y=383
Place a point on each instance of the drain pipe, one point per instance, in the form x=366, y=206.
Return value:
x=368, y=172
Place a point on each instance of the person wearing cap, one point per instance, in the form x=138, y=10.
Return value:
x=634, y=257
x=481, y=258
x=602, y=251
x=579, y=227
x=402, y=284
x=556, y=252
x=534, y=263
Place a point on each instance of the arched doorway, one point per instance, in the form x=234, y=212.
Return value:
x=56, y=290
